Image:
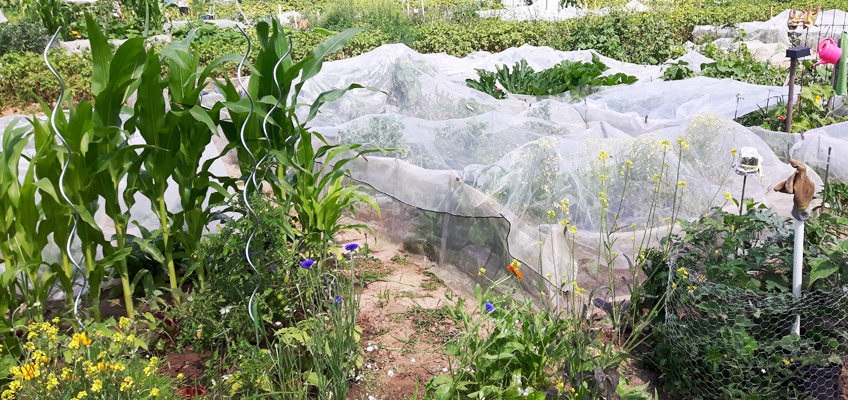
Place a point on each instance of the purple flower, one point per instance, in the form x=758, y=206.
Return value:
x=19, y=333
x=338, y=300
x=489, y=307
x=351, y=247
x=307, y=263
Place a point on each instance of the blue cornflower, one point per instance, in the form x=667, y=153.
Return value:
x=489, y=307
x=351, y=247
x=338, y=300
x=307, y=263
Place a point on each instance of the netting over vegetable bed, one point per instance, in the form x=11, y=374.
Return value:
x=534, y=161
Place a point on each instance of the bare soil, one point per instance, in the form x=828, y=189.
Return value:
x=403, y=324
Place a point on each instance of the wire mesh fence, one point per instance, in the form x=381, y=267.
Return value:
x=736, y=343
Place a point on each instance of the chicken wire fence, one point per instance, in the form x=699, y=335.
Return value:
x=733, y=343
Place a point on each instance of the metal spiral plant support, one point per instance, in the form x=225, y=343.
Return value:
x=251, y=178
x=62, y=179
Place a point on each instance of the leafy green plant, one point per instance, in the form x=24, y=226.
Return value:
x=24, y=79
x=740, y=65
x=305, y=172
x=677, y=71
x=568, y=75
x=24, y=288
x=22, y=36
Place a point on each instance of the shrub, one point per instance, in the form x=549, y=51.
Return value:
x=22, y=36
x=24, y=78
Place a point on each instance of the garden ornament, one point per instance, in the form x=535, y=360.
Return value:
x=804, y=19
x=248, y=181
x=829, y=52
x=799, y=185
x=64, y=142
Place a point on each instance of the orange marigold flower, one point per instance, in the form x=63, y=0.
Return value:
x=515, y=271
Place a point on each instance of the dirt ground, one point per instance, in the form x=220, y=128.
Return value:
x=403, y=323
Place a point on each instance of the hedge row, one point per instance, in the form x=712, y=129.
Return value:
x=649, y=38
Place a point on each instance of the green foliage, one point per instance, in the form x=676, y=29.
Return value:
x=218, y=312
x=677, y=71
x=514, y=351
x=24, y=79
x=22, y=36
x=732, y=303
x=487, y=83
x=22, y=238
x=741, y=66
x=567, y=75
x=811, y=112
x=383, y=15
x=306, y=172
x=52, y=13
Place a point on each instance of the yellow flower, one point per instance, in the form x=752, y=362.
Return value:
x=482, y=271
x=66, y=374
x=82, y=394
x=818, y=99
x=681, y=183
x=733, y=152
x=154, y=392
x=180, y=376
x=29, y=371
x=682, y=143
x=664, y=144
x=126, y=384
x=31, y=335
x=573, y=229
x=124, y=323
x=52, y=382
x=603, y=177
x=130, y=338
x=728, y=196
x=656, y=176
x=602, y=155
x=96, y=385
x=118, y=337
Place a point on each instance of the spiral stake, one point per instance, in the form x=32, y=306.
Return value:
x=251, y=179
x=65, y=167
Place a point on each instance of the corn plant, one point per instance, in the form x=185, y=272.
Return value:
x=304, y=178
x=177, y=139
x=101, y=158
x=23, y=231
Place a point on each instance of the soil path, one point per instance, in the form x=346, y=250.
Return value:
x=405, y=321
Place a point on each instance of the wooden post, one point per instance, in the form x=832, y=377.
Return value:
x=793, y=65
x=793, y=54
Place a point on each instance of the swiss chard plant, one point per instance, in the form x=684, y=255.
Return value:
x=567, y=75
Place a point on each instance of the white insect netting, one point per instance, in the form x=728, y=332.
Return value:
x=492, y=169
